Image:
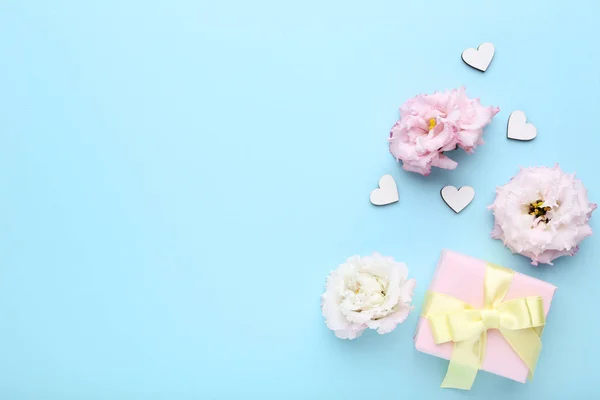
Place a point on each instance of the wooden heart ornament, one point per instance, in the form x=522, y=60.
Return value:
x=519, y=128
x=479, y=58
x=387, y=193
x=458, y=199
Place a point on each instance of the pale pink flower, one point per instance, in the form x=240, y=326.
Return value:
x=432, y=124
x=542, y=213
x=367, y=292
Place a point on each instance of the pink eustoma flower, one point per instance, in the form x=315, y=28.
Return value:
x=432, y=124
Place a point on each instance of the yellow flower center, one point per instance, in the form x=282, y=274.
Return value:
x=431, y=123
x=537, y=209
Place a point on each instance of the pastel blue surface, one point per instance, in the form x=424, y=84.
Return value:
x=177, y=178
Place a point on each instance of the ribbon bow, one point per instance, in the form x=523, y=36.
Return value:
x=520, y=321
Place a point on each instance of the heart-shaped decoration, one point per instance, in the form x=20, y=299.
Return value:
x=387, y=192
x=458, y=199
x=519, y=128
x=481, y=58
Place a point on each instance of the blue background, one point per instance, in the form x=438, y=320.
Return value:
x=177, y=178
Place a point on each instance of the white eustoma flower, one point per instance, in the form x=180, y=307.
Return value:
x=542, y=213
x=367, y=292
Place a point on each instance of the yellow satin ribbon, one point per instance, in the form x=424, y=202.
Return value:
x=520, y=321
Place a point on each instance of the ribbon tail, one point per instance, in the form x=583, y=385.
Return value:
x=527, y=344
x=464, y=364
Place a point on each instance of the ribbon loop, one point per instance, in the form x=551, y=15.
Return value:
x=520, y=321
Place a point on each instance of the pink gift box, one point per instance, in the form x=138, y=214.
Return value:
x=462, y=277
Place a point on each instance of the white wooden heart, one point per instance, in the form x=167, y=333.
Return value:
x=481, y=58
x=519, y=128
x=387, y=193
x=458, y=199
